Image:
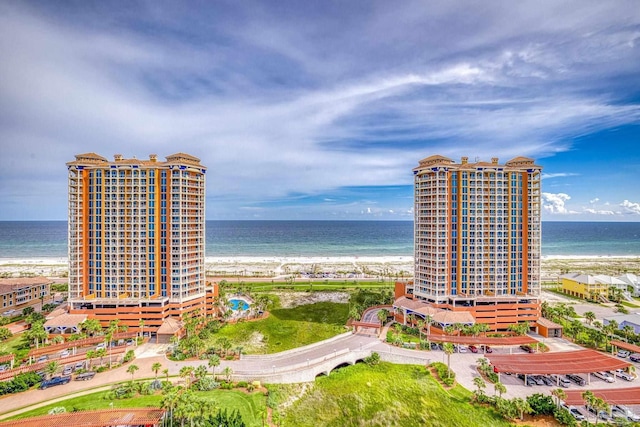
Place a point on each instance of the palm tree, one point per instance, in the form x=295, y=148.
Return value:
x=200, y=372
x=185, y=372
x=421, y=324
x=166, y=373
x=559, y=394
x=52, y=368
x=589, y=316
x=628, y=330
x=522, y=406
x=91, y=326
x=382, y=316
x=499, y=388
x=90, y=355
x=213, y=362
x=155, y=368
x=169, y=401
x=141, y=325
x=227, y=372
x=479, y=382
x=239, y=349
x=132, y=370
x=589, y=399
x=448, y=349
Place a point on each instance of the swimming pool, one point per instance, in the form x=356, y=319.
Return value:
x=238, y=304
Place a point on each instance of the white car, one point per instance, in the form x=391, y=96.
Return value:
x=101, y=346
x=604, y=376
x=624, y=375
x=623, y=353
x=65, y=353
x=626, y=412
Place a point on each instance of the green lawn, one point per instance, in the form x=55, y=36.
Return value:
x=328, y=285
x=251, y=406
x=285, y=329
x=386, y=395
x=14, y=345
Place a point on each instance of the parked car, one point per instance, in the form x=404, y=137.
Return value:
x=4, y=368
x=620, y=373
x=486, y=349
x=546, y=380
x=635, y=357
x=54, y=382
x=622, y=353
x=575, y=412
x=473, y=349
x=560, y=380
x=86, y=376
x=527, y=348
x=79, y=365
x=129, y=342
x=604, y=376
x=434, y=346
x=65, y=353
x=603, y=415
x=576, y=379
x=529, y=381
x=626, y=412
x=42, y=358
x=68, y=370
x=101, y=346
x=538, y=379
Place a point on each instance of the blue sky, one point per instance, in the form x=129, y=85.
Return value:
x=320, y=110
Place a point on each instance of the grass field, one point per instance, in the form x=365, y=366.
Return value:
x=285, y=329
x=386, y=395
x=14, y=345
x=306, y=285
x=252, y=406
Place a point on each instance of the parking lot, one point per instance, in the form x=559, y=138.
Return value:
x=465, y=364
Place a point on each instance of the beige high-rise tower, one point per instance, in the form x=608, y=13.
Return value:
x=136, y=238
x=477, y=238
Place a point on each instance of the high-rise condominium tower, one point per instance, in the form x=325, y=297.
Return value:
x=136, y=238
x=477, y=237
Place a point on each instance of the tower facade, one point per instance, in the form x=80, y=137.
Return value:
x=477, y=238
x=136, y=238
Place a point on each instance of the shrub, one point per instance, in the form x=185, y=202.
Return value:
x=129, y=356
x=372, y=360
x=564, y=417
x=242, y=384
x=541, y=404
x=5, y=334
x=206, y=384
x=446, y=376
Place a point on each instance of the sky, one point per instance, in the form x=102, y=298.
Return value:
x=321, y=109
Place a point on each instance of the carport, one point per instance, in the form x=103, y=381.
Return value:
x=625, y=346
x=558, y=363
x=613, y=396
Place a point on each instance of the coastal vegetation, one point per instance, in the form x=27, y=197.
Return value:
x=381, y=395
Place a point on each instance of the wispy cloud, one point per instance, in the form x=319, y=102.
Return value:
x=284, y=102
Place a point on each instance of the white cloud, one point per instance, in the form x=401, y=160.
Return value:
x=558, y=175
x=555, y=203
x=630, y=207
x=594, y=200
x=599, y=212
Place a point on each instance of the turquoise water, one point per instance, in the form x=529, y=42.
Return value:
x=238, y=304
x=48, y=239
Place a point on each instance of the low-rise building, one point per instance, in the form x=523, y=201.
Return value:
x=623, y=320
x=18, y=293
x=589, y=286
x=632, y=281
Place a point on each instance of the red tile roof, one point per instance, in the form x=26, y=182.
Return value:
x=102, y=418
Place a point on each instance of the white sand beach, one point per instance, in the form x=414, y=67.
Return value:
x=349, y=267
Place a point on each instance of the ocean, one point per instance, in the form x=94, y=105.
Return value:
x=48, y=239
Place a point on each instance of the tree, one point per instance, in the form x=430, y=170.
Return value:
x=499, y=388
x=227, y=372
x=155, y=368
x=169, y=401
x=185, y=372
x=27, y=311
x=589, y=399
x=36, y=333
x=200, y=372
x=421, y=324
x=132, y=370
x=382, y=315
x=141, y=325
x=522, y=406
x=91, y=326
x=214, y=361
x=5, y=334
x=51, y=368
x=589, y=316
x=559, y=394
x=166, y=373
x=628, y=330
x=90, y=355
x=479, y=382
x=448, y=349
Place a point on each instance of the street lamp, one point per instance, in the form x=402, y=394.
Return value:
x=335, y=353
x=307, y=362
x=274, y=369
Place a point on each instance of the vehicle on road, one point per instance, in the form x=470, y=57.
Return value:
x=527, y=348
x=576, y=379
x=626, y=412
x=620, y=373
x=604, y=376
x=86, y=376
x=622, y=353
x=54, y=382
